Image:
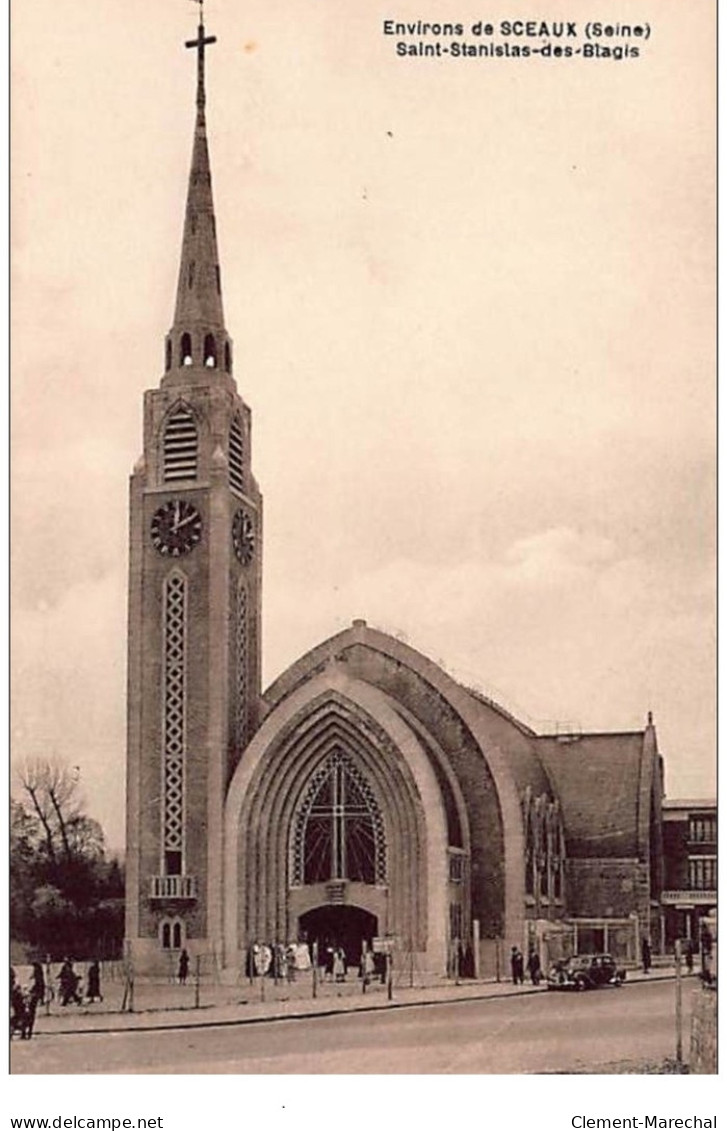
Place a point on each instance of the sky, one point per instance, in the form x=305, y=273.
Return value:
x=473, y=306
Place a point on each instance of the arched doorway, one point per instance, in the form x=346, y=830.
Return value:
x=348, y=927
x=335, y=804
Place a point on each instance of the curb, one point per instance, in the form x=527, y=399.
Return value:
x=317, y=1013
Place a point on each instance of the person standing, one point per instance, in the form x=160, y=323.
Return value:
x=517, y=966
x=93, y=982
x=367, y=965
x=68, y=983
x=183, y=970
x=339, y=964
x=37, y=985
x=534, y=967
x=646, y=954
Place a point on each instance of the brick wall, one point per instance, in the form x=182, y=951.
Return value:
x=607, y=888
x=478, y=788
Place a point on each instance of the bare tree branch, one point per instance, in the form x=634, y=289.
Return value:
x=52, y=788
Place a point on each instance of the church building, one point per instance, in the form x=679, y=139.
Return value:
x=366, y=795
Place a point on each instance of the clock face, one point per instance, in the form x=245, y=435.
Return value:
x=243, y=536
x=176, y=528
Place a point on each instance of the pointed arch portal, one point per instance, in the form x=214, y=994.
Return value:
x=335, y=826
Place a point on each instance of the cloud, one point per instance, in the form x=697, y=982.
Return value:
x=556, y=556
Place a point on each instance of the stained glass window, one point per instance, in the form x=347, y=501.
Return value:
x=339, y=830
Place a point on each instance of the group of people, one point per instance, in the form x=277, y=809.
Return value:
x=25, y=999
x=282, y=961
x=69, y=983
x=335, y=966
x=285, y=961
x=517, y=966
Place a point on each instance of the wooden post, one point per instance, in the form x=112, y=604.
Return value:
x=678, y=963
x=476, y=946
x=389, y=975
x=197, y=959
x=127, y=1002
x=48, y=984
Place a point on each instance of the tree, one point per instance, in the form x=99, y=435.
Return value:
x=52, y=789
x=65, y=896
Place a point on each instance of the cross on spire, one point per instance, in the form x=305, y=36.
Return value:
x=198, y=315
x=200, y=43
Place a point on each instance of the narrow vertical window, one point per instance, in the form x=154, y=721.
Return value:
x=236, y=456
x=180, y=446
x=529, y=851
x=210, y=351
x=241, y=666
x=174, y=717
x=185, y=350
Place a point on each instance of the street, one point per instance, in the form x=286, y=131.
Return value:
x=544, y=1032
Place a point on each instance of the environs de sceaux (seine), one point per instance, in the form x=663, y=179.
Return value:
x=528, y=29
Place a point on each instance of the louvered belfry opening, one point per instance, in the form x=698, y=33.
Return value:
x=235, y=459
x=180, y=446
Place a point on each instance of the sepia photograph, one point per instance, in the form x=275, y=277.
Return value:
x=363, y=543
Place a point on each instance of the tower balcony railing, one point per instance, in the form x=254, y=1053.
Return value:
x=689, y=895
x=173, y=887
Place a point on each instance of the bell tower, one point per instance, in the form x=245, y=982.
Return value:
x=195, y=532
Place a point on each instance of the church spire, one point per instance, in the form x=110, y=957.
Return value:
x=198, y=337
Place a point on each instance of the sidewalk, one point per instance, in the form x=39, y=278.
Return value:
x=249, y=1009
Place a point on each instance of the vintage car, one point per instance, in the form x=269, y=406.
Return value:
x=586, y=972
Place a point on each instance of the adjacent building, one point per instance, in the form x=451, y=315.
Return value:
x=689, y=894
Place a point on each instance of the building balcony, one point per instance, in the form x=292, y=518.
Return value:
x=689, y=896
x=173, y=887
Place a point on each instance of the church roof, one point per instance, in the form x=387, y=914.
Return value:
x=603, y=782
x=426, y=690
x=598, y=779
